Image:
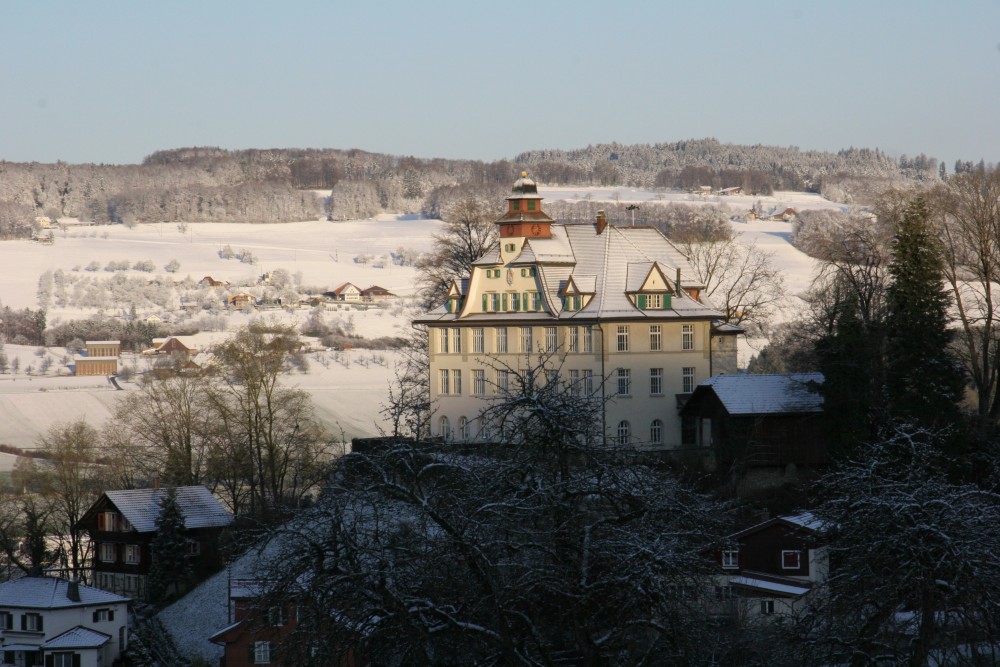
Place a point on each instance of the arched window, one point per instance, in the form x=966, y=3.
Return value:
x=444, y=429
x=463, y=429
x=624, y=431
x=484, y=432
x=656, y=432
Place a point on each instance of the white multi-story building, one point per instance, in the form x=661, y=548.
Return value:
x=613, y=312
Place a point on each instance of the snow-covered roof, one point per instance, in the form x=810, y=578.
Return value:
x=142, y=506
x=807, y=520
x=746, y=394
x=50, y=593
x=765, y=586
x=78, y=637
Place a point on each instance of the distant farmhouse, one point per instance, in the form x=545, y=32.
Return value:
x=101, y=358
x=376, y=294
x=347, y=292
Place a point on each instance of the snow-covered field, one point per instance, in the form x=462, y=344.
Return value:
x=348, y=388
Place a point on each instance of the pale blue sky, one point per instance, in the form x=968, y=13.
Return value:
x=105, y=81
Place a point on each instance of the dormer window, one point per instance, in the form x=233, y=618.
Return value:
x=531, y=204
x=528, y=272
x=454, y=304
x=657, y=301
x=509, y=247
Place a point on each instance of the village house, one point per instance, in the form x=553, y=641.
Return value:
x=773, y=568
x=121, y=526
x=347, y=292
x=172, y=345
x=589, y=301
x=60, y=623
x=766, y=429
x=209, y=281
x=376, y=294
x=240, y=300
x=101, y=358
x=255, y=632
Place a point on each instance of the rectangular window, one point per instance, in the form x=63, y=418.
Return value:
x=494, y=302
x=654, y=302
x=536, y=301
x=790, y=560
x=656, y=381
x=62, y=659
x=262, y=653
x=655, y=338
x=131, y=583
x=132, y=554
x=456, y=382
x=32, y=623
x=622, y=338
x=550, y=339
x=687, y=337
x=478, y=346
x=526, y=339
x=528, y=272
x=6, y=620
x=501, y=340
x=101, y=615
x=277, y=615
x=551, y=376
x=445, y=377
x=443, y=341
x=193, y=547
x=531, y=204
x=767, y=607
x=588, y=338
x=107, y=552
x=731, y=559
x=687, y=379
x=574, y=339
x=107, y=521
x=574, y=383
x=479, y=382
x=588, y=382
x=503, y=382
x=456, y=340
x=624, y=381
x=515, y=301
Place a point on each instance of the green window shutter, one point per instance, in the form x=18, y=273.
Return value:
x=486, y=303
x=642, y=302
x=503, y=301
x=524, y=301
x=666, y=301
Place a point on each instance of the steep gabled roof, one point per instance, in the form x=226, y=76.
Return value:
x=50, y=593
x=805, y=521
x=142, y=506
x=78, y=637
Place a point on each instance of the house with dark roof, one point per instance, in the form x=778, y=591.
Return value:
x=122, y=524
x=375, y=294
x=767, y=429
x=60, y=623
x=772, y=568
x=614, y=312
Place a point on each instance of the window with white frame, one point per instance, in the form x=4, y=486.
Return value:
x=536, y=301
x=456, y=340
x=132, y=552
x=102, y=615
x=479, y=382
x=656, y=432
x=790, y=560
x=525, y=339
x=767, y=607
x=624, y=381
x=687, y=337
x=687, y=379
x=443, y=341
x=107, y=521
x=277, y=615
x=444, y=428
x=478, y=346
x=502, y=381
x=107, y=552
x=731, y=559
x=654, y=301
x=501, y=339
x=588, y=338
x=456, y=382
x=574, y=382
x=588, y=382
x=494, y=302
x=550, y=339
x=463, y=429
x=622, y=338
x=655, y=337
x=624, y=432
x=656, y=381
x=262, y=653
x=445, y=385
x=574, y=339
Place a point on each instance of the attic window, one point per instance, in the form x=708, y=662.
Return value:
x=531, y=204
x=509, y=247
x=731, y=559
x=656, y=301
x=790, y=560
x=515, y=205
x=528, y=272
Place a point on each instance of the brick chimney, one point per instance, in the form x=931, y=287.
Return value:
x=602, y=222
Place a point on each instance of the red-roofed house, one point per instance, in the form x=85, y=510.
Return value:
x=348, y=292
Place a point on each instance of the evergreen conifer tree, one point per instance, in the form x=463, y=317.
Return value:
x=924, y=379
x=169, y=571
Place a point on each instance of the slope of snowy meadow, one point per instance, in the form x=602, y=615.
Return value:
x=348, y=387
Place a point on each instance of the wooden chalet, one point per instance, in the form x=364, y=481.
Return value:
x=122, y=524
x=767, y=429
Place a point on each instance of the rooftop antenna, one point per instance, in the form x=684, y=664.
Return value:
x=633, y=208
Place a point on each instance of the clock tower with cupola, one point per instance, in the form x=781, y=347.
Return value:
x=525, y=217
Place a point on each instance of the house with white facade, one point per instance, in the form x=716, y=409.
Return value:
x=614, y=313
x=60, y=623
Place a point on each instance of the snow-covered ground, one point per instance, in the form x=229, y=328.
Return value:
x=348, y=388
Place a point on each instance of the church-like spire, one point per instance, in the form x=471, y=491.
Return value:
x=525, y=217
